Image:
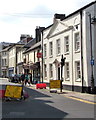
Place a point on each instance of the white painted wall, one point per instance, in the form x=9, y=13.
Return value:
x=57, y=32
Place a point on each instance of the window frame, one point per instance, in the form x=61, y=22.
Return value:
x=58, y=47
x=67, y=71
x=50, y=70
x=65, y=42
x=50, y=49
x=45, y=71
x=45, y=50
x=77, y=40
x=77, y=71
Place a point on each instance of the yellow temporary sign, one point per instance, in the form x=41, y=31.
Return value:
x=54, y=84
x=13, y=91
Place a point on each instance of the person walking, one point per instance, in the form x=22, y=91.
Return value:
x=23, y=78
x=19, y=77
x=26, y=79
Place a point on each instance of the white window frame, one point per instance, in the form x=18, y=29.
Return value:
x=77, y=41
x=67, y=71
x=66, y=41
x=58, y=46
x=45, y=70
x=50, y=49
x=51, y=70
x=45, y=50
x=77, y=71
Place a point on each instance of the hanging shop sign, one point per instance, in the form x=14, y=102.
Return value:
x=39, y=55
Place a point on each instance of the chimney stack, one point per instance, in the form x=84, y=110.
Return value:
x=38, y=31
x=58, y=16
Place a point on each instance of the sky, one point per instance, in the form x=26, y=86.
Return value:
x=22, y=16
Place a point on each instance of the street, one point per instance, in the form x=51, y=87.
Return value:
x=43, y=104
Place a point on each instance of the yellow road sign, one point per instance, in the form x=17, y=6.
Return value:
x=13, y=91
x=55, y=84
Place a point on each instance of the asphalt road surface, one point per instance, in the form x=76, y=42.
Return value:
x=43, y=104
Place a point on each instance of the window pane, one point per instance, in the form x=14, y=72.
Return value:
x=51, y=70
x=77, y=41
x=66, y=44
x=67, y=73
x=51, y=48
x=58, y=46
x=78, y=73
x=45, y=70
x=45, y=50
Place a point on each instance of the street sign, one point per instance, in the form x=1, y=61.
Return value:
x=13, y=91
x=92, y=62
x=55, y=84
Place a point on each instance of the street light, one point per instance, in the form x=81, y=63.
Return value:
x=91, y=21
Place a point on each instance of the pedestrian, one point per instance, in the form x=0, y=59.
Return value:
x=23, y=78
x=19, y=76
x=30, y=78
x=15, y=78
x=26, y=79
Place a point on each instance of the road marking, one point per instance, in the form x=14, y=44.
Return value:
x=78, y=99
x=81, y=100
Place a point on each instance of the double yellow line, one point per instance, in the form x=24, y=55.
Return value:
x=81, y=100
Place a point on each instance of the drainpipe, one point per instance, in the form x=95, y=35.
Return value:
x=82, y=73
x=42, y=54
x=72, y=63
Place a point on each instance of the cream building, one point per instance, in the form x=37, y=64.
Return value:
x=71, y=37
x=13, y=58
x=4, y=62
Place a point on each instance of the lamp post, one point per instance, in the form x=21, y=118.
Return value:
x=91, y=21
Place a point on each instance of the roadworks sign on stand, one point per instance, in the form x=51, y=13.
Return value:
x=13, y=91
x=55, y=84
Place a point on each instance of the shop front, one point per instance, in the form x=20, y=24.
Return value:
x=26, y=68
x=4, y=72
x=35, y=68
x=11, y=71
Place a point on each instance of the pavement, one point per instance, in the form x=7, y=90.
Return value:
x=83, y=97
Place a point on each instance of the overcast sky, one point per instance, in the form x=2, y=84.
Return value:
x=22, y=16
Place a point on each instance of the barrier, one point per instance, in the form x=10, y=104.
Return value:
x=13, y=91
x=2, y=93
x=41, y=85
x=55, y=84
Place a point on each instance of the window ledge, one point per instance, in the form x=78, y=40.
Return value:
x=50, y=56
x=66, y=53
x=78, y=80
x=67, y=79
x=45, y=57
x=77, y=51
x=45, y=78
x=51, y=78
x=58, y=55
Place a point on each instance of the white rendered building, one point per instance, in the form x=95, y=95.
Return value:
x=73, y=37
